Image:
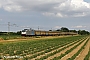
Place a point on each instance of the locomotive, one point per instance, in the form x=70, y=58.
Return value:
x=31, y=32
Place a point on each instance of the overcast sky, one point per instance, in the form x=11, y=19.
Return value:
x=45, y=14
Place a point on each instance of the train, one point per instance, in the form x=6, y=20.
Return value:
x=31, y=32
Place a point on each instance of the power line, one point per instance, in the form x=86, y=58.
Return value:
x=9, y=29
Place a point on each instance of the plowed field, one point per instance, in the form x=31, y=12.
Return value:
x=65, y=48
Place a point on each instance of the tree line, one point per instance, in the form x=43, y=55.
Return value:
x=80, y=32
x=11, y=33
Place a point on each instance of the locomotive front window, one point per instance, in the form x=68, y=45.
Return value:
x=23, y=30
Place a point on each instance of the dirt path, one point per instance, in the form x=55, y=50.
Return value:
x=69, y=55
x=38, y=57
x=82, y=55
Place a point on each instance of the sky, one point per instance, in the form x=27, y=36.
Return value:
x=44, y=14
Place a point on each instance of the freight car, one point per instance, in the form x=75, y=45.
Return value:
x=30, y=32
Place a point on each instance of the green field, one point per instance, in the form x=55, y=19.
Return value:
x=31, y=49
x=7, y=37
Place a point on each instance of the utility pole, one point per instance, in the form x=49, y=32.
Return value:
x=38, y=28
x=9, y=29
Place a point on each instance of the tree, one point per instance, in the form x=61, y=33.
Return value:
x=50, y=30
x=18, y=32
x=83, y=32
x=73, y=31
x=58, y=30
x=64, y=29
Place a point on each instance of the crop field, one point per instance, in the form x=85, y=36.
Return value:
x=65, y=48
x=6, y=37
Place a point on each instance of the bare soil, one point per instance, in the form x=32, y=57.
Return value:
x=62, y=52
x=85, y=51
x=69, y=55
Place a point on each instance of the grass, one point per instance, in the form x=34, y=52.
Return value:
x=6, y=37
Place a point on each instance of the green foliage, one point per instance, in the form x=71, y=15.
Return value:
x=88, y=55
x=33, y=47
x=83, y=32
x=11, y=33
x=7, y=37
x=64, y=29
x=76, y=54
x=68, y=51
x=25, y=58
x=73, y=31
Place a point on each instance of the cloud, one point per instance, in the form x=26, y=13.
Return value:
x=79, y=26
x=57, y=27
x=58, y=8
x=0, y=19
x=10, y=5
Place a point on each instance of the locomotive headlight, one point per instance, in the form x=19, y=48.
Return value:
x=23, y=32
